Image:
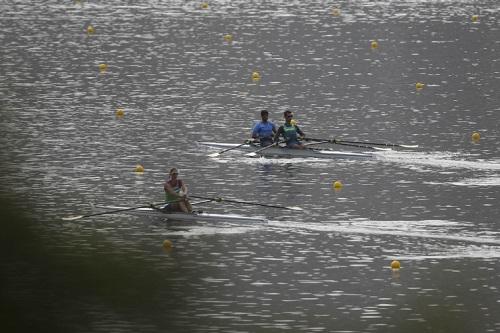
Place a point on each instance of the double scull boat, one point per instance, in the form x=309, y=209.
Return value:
x=280, y=151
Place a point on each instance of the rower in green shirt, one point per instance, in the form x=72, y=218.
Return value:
x=176, y=193
x=290, y=132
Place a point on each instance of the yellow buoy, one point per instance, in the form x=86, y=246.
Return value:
x=90, y=30
x=204, y=5
x=228, y=38
x=419, y=85
x=255, y=76
x=374, y=44
x=120, y=112
x=103, y=67
x=475, y=18
x=337, y=184
x=336, y=12
x=476, y=136
x=139, y=168
x=395, y=264
x=167, y=244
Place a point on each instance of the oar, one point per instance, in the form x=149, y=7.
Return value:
x=78, y=217
x=218, y=199
x=320, y=141
x=361, y=144
x=255, y=153
x=378, y=144
x=228, y=149
x=315, y=143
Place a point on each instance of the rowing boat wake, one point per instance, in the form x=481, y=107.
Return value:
x=445, y=160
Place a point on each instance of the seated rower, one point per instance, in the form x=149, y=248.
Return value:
x=176, y=194
x=264, y=130
x=291, y=132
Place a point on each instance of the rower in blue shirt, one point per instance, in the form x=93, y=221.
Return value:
x=264, y=130
x=290, y=132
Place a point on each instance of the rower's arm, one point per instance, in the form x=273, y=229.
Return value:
x=299, y=131
x=184, y=189
x=255, y=131
x=278, y=133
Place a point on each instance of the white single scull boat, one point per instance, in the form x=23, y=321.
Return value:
x=287, y=152
x=195, y=216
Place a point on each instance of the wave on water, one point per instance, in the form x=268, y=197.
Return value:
x=425, y=229
x=410, y=240
x=413, y=240
x=210, y=229
x=458, y=252
x=484, y=181
x=442, y=160
x=274, y=161
x=446, y=160
x=237, y=157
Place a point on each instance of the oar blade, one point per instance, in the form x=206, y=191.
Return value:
x=295, y=208
x=252, y=154
x=409, y=146
x=213, y=155
x=73, y=218
x=378, y=148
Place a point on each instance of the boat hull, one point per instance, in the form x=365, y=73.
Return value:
x=196, y=216
x=292, y=153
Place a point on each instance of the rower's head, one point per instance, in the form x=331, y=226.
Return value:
x=173, y=172
x=264, y=115
x=288, y=115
